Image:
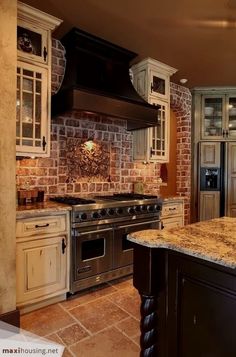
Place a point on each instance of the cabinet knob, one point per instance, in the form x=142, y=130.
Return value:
x=44, y=143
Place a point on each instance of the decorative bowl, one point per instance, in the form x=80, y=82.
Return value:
x=209, y=110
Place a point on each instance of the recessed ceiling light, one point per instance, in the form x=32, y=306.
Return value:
x=183, y=80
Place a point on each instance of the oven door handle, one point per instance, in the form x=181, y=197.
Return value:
x=138, y=224
x=78, y=234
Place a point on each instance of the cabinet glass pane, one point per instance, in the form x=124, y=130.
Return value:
x=158, y=85
x=213, y=116
x=38, y=109
x=29, y=41
x=38, y=131
x=18, y=106
x=38, y=87
x=17, y=128
x=27, y=108
x=28, y=84
x=27, y=130
x=232, y=116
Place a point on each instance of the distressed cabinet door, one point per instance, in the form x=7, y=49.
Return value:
x=41, y=268
x=31, y=110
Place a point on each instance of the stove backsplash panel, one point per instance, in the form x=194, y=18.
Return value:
x=101, y=166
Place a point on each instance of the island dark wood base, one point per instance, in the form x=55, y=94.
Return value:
x=188, y=305
x=148, y=326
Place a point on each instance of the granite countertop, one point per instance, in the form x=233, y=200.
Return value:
x=213, y=240
x=173, y=198
x=40, y=208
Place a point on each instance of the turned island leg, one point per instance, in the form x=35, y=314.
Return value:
x=148, y=326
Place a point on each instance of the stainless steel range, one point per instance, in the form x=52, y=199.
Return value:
x=99, y=227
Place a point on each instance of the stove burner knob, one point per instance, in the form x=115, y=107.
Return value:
x=111, y=212
x=119, y=210
x=131, y=210
x=144, y=208
x=138, y=208
x=158, y=208
x=83, y=216
x=103, y=212
x=151, y=208
x=95, y=215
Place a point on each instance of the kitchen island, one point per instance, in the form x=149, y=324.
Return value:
x=186, y=278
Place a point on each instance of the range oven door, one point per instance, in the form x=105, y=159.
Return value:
x=91, y=251
x=123, y=249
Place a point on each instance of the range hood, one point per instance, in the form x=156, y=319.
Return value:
x=97, y=80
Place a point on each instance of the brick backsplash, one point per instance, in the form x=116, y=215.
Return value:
x=51, y=174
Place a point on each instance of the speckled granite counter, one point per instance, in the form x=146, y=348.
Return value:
x=42, y=208
x=213, y=240
x=186, y=279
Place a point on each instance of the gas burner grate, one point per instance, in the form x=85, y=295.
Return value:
x=127, y=196
x=70, y=200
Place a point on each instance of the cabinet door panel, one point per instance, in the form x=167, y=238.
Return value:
x=41, y=268
x=231, y=180
x=172, y=222
x=32, y=111
x=209, y=205
x=213, y=116
x=210, y=154
x=204, y=321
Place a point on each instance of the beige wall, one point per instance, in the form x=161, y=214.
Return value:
x=7, y=153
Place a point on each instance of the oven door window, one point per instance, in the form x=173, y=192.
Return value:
x=126, y=244
x=92, y=249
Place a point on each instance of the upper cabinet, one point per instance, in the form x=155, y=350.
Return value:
x=215, y=113
x=151, y=80
x=33, y=97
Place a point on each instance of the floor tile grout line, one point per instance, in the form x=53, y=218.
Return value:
x=79, y=322
x=100, y=331
x=95, y=299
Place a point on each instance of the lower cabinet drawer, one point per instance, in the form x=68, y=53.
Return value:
x=172, y=222
x=172, y=209
x=40, y=225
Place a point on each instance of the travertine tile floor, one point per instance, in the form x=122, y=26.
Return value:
x=99, y=322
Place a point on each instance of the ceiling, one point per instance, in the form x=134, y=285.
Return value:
x=196, y=37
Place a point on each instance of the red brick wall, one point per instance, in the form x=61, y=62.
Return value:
x=180, y=101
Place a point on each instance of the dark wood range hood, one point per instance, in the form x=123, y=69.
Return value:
x=97, y=80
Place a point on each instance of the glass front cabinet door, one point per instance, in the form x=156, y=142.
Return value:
x=31, y=109
x=151, y=79
x=218, y=117
x=33, y=92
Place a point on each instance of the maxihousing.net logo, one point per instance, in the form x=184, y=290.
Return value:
x=18, y=342
x=32, y=351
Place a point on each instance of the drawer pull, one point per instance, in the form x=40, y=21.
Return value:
x=172, y=209
x=63, y=246
x=41, y=225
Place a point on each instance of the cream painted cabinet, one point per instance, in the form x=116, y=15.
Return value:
x=210, y=154
x=151, y=79
x=33, y=95
x=215, y=113
x=42, y=258
x=231, y=180
x=172, y=213
x=209, y=205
